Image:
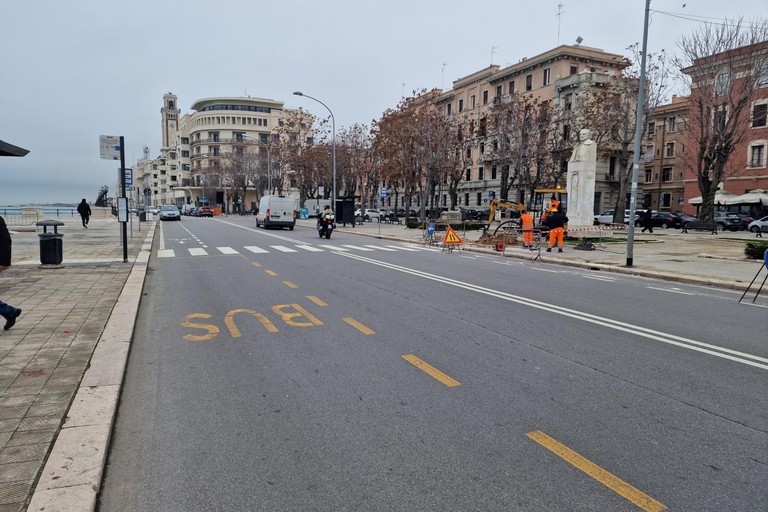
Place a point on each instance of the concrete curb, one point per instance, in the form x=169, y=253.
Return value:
x=72, y=475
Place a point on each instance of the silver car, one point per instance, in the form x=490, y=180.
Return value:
x=170, y=212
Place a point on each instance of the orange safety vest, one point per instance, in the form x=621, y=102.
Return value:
x=527, y=220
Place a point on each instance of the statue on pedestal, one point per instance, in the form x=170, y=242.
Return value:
x=581, y=180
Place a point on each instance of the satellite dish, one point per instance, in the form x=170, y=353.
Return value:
x=579, y=40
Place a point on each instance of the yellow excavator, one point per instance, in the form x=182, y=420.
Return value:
x=495, y=204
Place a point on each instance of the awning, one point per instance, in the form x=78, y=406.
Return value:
x=11, y=150
x=721, y=197
x=757, y=196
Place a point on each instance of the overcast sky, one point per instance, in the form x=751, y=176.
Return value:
x=75, y=70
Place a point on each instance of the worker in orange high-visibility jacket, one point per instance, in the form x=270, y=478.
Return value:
x=557, y=221
x=526, y=220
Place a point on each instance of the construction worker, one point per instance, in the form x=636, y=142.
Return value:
x=526, y=220
x=554, y=204
x=556, y=221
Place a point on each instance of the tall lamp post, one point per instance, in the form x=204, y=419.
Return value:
x=333, y=142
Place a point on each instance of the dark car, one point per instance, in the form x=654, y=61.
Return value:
x=204, y=211
x=684, y=217
x=729, y=221
x=745, y=219
x=662, y=220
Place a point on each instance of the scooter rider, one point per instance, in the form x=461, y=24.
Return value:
x=323, y=218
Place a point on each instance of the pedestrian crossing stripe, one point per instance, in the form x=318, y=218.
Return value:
x=199, y=251
x=451, y=237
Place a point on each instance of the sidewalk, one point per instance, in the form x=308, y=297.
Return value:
x=44, y=357
x=61, y=366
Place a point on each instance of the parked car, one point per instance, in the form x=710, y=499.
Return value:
x=153, y=210
x=369, y=214
x=607, y=217
x=662, y=220
x=745, y=220
x=755, y=225
x=725, y=220
x=170, y=212
x=684, y=217
x=203, y=211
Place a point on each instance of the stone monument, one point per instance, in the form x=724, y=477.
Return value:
x=581, y=182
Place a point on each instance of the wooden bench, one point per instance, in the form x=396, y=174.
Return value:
x=393, y=219
x=700, y=226
x=759, y=232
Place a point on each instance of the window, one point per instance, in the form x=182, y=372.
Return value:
x=649, y=150
x=482, y=128
x=529, y=82
x=722, y=83
x=498, y=91
x=511, y=87
x=568, y=102
x=671, y=124
x=469, y=175
x=757, y=155
x=669, y=149
x=472, y=101
x=546, y=77
x=461, y=105
x=479, y=198
x=651, y=129
x=666, y=200
x=648, y=175
x=485, y=97
x=719, y=119
x=480, y=173
x=762, y=74
x=574, y=69
x=448, y=109
x=185, y=140
x=759, y=115
x=666, y=174
x=214, y=150
x=493, y=172
x=482, y=150
x=184, y=153
x=469, y=153
x=466, y=199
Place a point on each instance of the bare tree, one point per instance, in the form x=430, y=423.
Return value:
x=725, y=63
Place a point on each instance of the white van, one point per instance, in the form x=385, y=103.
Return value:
x=276, y=211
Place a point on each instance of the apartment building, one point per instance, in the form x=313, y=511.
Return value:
x=558, y=75
x=717, y=82
x=663, y=176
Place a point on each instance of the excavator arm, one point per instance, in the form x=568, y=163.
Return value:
x=495, y=204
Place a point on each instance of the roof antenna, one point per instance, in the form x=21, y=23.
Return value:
x=560, y=12
x=493, y=51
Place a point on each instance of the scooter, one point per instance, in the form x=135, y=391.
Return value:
x=325, y=226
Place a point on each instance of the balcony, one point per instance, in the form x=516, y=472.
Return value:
x=611, y=177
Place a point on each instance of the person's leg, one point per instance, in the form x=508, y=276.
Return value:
x=10, y=314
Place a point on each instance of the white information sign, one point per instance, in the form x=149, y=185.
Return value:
x=122, y=209
x=109, y=147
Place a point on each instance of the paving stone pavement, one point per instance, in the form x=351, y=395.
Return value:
x=44, y=356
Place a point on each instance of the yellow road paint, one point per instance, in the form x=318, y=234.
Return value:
x=316, y=300
x=212, y=329
x=229, y=321
x=433, y=372
x=271, y=272
x=290, y=284
x=255, y=264
x=357, y=325
x=299, y=311
x=244, y=257
x=614, y=483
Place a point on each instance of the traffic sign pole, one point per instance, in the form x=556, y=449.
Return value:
x=123, y=195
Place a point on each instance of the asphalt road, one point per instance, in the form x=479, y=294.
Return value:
x=401, y=378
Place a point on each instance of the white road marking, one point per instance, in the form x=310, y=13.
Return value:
x=381, y=248
x=310, y=248
x=196, y=251
x=165, y=253
x=283, y=248
x=357, y=247
x=335, y=248
x=402, y=248
x=545, y=270
x=256, y=250
x=600, y=278
x=609, y=323
x=670, y=290
x=227, y=250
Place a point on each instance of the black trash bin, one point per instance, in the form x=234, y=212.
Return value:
x=142, y=216
x=51, y=244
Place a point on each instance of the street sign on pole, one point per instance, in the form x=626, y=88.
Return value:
x=128, y=176
x=109, y=147
x=383, y=192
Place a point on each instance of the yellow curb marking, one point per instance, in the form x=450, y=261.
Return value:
x=614, y=483
x=271, y=272
x=316, y=300
x=290, y=284
x=433, y=372
x=255, y=264
x=357, y=325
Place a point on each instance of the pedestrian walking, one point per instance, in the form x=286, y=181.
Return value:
x=647, y=221
x=7, y=311
x=85, y=212
x=526, y=222
x=556, y=222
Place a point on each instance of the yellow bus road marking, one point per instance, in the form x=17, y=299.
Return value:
x=290, y=284
x=614, y=483
x=255, y=264
x=316, y=300
x=271, y=272
x=357, y=325
x=434, y=372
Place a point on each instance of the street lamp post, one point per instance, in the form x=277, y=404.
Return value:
x=333, y=145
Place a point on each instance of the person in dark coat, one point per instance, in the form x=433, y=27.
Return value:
x=647, y=221
x=7, y=311
x=85, y=212
x=556, y=222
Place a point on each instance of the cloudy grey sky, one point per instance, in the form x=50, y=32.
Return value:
x=77, y=70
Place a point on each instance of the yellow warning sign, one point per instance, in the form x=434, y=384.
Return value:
x=451, y=237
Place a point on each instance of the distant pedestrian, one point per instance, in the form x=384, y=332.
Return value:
x=556, y=222
x=526, y=222
x=7, y=311
x=85, y=212
x=647, y=221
